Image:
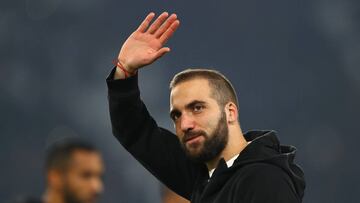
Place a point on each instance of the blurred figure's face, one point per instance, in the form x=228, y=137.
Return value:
x=82, y=182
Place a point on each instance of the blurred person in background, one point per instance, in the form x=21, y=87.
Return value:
x=74, y=170
x=209, y=159
x=169, y=196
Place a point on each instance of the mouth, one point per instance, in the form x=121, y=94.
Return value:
x=191, y=138
x=194, y=139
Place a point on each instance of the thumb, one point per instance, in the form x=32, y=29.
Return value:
x=161, y=52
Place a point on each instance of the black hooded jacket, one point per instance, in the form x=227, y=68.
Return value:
x=263, y=172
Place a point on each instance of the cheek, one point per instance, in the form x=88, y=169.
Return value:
x=205, y=121
x=179, y=133
x=79, y=183
x=177, y=128
x=211, y=124
x=73, y=185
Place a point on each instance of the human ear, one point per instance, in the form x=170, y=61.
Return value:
x=231, y=112
x=54, y=178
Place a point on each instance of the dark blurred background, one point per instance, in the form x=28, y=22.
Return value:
x=295, y=65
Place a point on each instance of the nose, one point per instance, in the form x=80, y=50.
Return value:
x=187, y=122
x=97, y=186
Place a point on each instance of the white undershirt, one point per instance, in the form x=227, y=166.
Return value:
x=229, y=163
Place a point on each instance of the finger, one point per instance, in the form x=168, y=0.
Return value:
x=165, y=25
x=146, y=22
x=161, y=52
x=169, y=32
x=157, y=23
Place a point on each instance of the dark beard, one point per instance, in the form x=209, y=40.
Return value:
x=69, y=196
x=213, y=145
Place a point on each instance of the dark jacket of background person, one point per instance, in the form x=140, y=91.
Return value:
x=26, y=200
x=263, y=172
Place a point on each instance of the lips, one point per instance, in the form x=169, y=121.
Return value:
x=192, y=136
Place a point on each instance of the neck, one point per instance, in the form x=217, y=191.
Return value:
x=235, y=145
x=52, y=196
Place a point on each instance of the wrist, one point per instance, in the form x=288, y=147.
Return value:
x=131, y=70
x=122, y=71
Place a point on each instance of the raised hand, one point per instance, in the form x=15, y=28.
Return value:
x=146, y=44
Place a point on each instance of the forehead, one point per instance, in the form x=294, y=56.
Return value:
x=194, y=89
x=86, y=159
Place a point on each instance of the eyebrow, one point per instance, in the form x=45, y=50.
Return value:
x=193, y=103
x=187, y=106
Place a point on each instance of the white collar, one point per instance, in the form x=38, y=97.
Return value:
x=229, y=163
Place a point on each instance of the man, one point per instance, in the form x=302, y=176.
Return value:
x=209, y=159
x=169, y=196
x=74, y=171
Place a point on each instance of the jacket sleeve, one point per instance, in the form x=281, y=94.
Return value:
x=265, y=183
x=157, y=149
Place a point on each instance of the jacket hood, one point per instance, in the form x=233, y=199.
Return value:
x=266, y=148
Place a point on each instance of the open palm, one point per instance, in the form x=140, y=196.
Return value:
x=146, y=44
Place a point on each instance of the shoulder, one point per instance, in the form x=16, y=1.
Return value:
x=26, y=200
x=262, y=175
x=261, y=170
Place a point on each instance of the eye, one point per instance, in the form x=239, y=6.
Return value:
x=198, y=108
x=175, y=116
x=86, y=175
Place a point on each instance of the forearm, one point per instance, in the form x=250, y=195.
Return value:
x=156, y=148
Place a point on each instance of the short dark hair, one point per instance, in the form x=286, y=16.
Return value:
x=59, y=154
x=222, y=89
